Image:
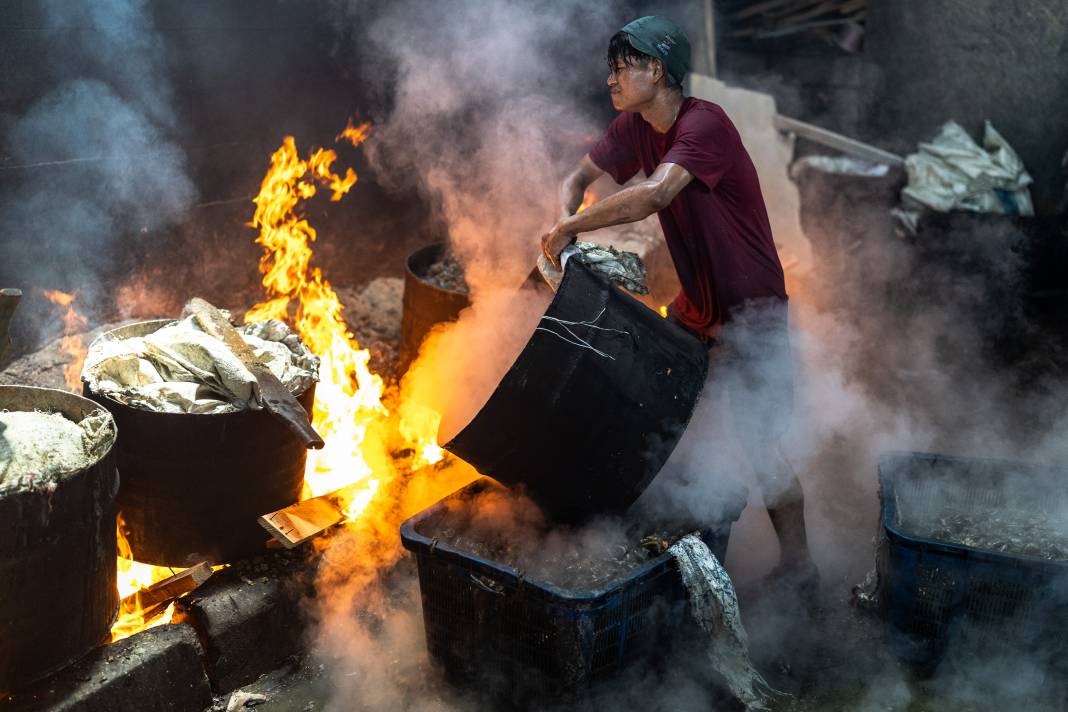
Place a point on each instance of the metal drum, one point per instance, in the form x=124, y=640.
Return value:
x=194, y=484
x=425, y=305
x=594, y=404
x=58, y=595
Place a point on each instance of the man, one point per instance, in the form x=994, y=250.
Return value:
x=702, y=184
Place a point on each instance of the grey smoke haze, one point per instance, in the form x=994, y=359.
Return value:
x=103, y=131
x=894, y=356
x=484, y=114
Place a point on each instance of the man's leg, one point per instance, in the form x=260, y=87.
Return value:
x=786, y=509
x=761, y=385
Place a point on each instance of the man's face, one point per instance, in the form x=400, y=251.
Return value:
x=632, y=85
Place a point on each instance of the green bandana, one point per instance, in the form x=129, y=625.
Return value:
x=661, y=38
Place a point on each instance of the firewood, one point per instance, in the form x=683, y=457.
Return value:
x=168, y=589
x=297, y=523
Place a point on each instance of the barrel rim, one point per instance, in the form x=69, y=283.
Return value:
x=87, y=405
x=435, y=249
x=159, y=324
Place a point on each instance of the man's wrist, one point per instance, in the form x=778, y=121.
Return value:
x=567, y=225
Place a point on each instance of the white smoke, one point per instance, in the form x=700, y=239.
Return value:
x=94, y=160
x=484, y=122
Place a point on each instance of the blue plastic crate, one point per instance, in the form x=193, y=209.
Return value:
x=935, y=594
x=487, y=619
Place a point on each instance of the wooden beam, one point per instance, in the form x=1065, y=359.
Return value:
x=811, y=13
x=297, y=523
x=168, y=589
x=759, y=8
x=838, y=142
x=710, y=36
x=9, y=299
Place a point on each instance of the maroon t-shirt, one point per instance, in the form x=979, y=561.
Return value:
x=717, y=227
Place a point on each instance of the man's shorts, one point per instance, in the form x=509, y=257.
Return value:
x=753, y=359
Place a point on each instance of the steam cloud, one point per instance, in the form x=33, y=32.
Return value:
x=95, y=155
x=485, y=120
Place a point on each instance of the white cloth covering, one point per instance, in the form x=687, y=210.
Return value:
x=182, y=369
x=953, y=172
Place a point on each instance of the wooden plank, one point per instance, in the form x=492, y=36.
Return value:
x=168, y=589
x=710, y=36
x=297, y=523
x=9, y=299
x=837, y=141
x=777, y=15
x=759, y=8
x=810, y=14
x=275, y=397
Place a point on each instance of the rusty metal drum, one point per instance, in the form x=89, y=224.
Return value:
x=193, y=484
x=58, y=593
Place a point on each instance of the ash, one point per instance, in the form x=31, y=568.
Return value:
x=448, y=274
x=1016, y=532
x=507, y=528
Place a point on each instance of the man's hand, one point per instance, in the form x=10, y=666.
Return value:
x=554, y=242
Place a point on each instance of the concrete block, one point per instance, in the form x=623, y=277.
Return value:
x=159, y=669
x=249, y=618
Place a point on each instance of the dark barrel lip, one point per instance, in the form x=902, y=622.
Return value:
x=430, y=253
x=651, y=354
x=54, y=396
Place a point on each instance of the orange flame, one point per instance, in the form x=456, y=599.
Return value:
x=348, y=412
x=73, y=342
x=355, y=134
x=132, y=577
x=588, y=199
x=663, y=311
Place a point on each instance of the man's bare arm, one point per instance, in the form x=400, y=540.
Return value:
x=573, y=189
x=628, y=205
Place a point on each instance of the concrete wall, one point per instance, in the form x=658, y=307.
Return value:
x=970, y=60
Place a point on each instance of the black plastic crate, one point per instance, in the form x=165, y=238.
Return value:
x=941, y=594
x=487, y=619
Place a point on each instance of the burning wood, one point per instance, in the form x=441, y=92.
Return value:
x=297, y=523
x=162, y=592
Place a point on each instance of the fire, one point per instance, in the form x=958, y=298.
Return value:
x=349, y=413
x=132, y=577
x=663, y=311
x=355, y=134
x=588, y=199
x=73, y=343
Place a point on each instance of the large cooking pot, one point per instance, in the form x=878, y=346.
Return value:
x=58, y=596
x=594, y=404
x=425, y=304
x=193, y=484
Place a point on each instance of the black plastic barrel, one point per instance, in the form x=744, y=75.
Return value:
x=58, y=596
x=193, y=484
x=585, y=427
x=425, y=305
